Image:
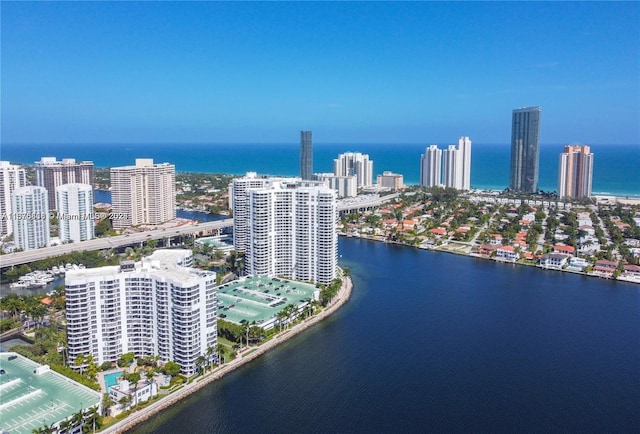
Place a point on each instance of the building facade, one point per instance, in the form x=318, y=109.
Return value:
x=464, y=149
x=306, y=155
x=525, y=149
x=391, y=180
x=30, y=217
x=451, y=168
x=575, y=172
x=143, y=194
x=75, y=212
x=345, y=186
x=11, y=178
x=157, y=307
x=239, y=204
x=431, y=167
x=355, y=163
x=51, y=174
x=291, y=230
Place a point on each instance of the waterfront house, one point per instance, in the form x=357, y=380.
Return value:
x=554, y=261
x=566, y=250
x=487, y=249
x=507, y=253
x=605, y=268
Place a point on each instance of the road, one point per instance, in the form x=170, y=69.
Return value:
x=18, y=258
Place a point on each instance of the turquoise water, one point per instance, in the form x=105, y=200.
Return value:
x=112, y=379
x=616, y=167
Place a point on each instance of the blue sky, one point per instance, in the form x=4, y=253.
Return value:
x=84, y=72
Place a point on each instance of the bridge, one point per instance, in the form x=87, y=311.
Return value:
x=363, y=202
x=356, y=204
x=167, y=234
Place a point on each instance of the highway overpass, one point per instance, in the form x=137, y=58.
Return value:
x=19, y=258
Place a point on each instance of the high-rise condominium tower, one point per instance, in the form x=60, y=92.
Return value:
x=143, y=194
x=575, y=172
x=239, y=203
x=431, y=167
x=11, y=177
x=464, y=149
x=156, y=307
x=451, y=168
x=30, y=208
x=525, y=144
x=355, y=163
x=75, y=212
x=51, y=174
x=306, y=155
x=286, y=227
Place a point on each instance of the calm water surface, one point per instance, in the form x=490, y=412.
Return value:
x=432, y=342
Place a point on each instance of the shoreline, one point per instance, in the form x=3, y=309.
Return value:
x=478, y=256
x=140, y=416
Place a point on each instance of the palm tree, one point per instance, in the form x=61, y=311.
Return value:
x=221, y=349
x=107, y=402
x=65, y=425
x=210, y=352
x=200, y=361
x=79, y=361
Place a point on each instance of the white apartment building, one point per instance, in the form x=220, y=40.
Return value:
x=51, y=174
x=355, y=163
x=239, y=204
x=391, y=180
x=345, y=186
x=451, y=168
x=30, y=217
x=290, y=230
x=451, y=173
x=431, y=167
x=75, y=212
x=11, y=177
x=156, y=307
x=143, y=194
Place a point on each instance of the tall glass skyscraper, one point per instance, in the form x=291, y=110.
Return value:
x=306, y=156
x=525, y=149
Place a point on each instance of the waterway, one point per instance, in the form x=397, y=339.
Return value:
x=433, y=342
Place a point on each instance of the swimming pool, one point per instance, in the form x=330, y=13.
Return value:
x=111, y=379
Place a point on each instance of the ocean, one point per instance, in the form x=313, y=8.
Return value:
x=616, y=167
x=433, y=342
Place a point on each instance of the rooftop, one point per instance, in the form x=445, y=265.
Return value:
x=31, y=400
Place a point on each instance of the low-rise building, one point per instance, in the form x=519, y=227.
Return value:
x=554, y=260
x=507, y=253
x=133, y=393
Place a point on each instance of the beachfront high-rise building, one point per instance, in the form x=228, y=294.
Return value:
x=156, y=307
x=575, y=172
x=391, y=180
x=306, y=155
x=11, y=177
x=355, y=163
x=431, y=167
x=75, y=212
x=451, y=168
x=345, y=186
x=525, y=149
x=464, y=149
x=30, y=208
x=287, y=227
x=143, y=194
x=51, y=174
